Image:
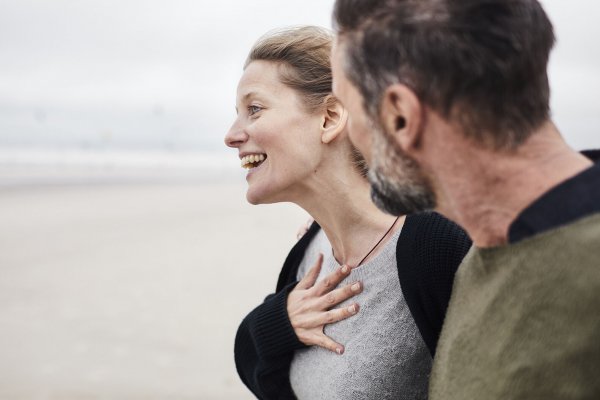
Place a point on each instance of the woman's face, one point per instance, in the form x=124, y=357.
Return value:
x=277, y=139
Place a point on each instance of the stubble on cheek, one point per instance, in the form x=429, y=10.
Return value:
x=398, y=186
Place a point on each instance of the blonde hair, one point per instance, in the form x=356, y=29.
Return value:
x=304, y=53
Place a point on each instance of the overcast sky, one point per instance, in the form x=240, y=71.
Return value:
x=162, y=74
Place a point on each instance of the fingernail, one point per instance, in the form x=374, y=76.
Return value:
x=352, y=309
x=339, y=350
x=355, y=287
x=345, y=269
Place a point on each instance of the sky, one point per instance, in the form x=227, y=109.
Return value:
x=154, y=74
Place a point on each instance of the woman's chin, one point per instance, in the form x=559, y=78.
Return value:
x=256, y=197
x=252, y=200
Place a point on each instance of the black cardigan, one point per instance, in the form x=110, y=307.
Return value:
x=428, y=252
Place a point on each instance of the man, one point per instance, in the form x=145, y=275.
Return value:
x=449, y=103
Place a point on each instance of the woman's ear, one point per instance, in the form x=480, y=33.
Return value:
x=334, y=119
x=401, y=116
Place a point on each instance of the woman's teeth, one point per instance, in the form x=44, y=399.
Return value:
x=252, y=160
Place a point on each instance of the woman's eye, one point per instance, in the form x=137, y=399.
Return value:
x=253, y=110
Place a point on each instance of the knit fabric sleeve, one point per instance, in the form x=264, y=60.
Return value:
x=429, y=251
x=264, y=347
x=265, y=341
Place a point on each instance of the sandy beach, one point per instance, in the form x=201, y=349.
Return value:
x=132, y=290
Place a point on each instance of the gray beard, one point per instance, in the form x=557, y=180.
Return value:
x=398, y=186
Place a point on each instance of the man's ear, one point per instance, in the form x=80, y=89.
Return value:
x=401, y=116
x=334, y=119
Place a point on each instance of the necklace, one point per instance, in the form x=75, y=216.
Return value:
x=376, y=244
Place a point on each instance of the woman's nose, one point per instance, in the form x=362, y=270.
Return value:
x=236, y=136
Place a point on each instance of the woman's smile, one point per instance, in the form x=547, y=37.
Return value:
x=251, y=161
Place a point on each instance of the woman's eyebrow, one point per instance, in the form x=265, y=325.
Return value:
x=248, y=95
x=244, y=99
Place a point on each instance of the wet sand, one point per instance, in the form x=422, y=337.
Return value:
x=132, y=291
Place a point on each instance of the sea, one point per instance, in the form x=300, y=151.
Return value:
x=34, y=166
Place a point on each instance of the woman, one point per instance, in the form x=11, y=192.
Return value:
x=355, y=313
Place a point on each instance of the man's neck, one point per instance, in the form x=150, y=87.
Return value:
x=484, y=191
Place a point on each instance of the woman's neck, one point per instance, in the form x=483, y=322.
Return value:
x=341, y=204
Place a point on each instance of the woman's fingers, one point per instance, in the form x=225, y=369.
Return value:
x=311, y=276
x=337, y=314
x=317, y=320
x=337, y=296
x=326, y=342
x=332, y=280
x=310, y=305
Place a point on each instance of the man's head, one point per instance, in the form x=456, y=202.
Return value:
x=397, y=184
x=479, y=65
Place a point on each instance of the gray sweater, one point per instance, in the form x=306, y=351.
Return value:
x=385, y=356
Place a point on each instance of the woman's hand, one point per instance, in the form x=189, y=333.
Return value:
x=310, y=306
